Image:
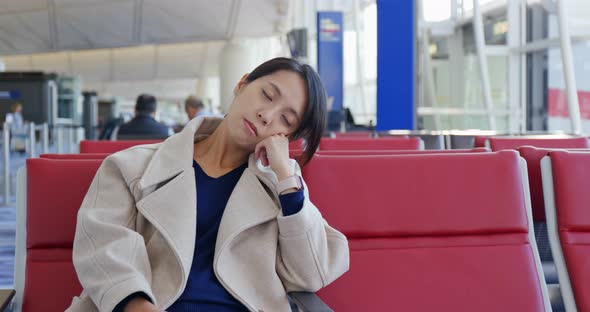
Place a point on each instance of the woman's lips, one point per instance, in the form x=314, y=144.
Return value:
x=250, y=127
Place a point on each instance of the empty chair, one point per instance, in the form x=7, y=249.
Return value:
x=445, y=232
x=88, y=146
x=533, y=157
x=76, y=156
x=371, y=144
x=355, y=134
x=566, y=185
x=45, y=279
x=401, y=152
x=503, y=143
x=296, y=154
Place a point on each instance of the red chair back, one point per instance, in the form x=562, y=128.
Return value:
x=101, y=147
x=76, y=156
x=425, y=233
x=406, y=152
x=371, y=144
x=567, y=175
x=533, y=157
x=55, y=190
x=504, y=143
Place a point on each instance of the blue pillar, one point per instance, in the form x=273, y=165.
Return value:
x=395, y=64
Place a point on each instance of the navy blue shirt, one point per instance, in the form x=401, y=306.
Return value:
x=203, y=291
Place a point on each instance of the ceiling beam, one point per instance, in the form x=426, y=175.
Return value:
x=233, y=19
x=53, y=38
x=137, y=20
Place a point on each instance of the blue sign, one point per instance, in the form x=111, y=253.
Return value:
x=330, y=55
x=395, y=65
x=9, y=95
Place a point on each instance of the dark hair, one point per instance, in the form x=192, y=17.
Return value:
x=145, y=104
x=313, y=123
x=194, y=102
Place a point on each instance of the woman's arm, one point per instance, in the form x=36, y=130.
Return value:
x=109, y=255
x=311, y=254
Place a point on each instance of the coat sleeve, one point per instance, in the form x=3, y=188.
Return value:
x=110, y=257
x=312, y=254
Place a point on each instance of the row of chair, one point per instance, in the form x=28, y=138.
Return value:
x=382, y=143
x=397, y=143
x=416, y=225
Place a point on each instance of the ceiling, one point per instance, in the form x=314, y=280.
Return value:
x=38, y=26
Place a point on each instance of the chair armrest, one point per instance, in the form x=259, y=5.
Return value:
x=308, y=302
x=5, y=298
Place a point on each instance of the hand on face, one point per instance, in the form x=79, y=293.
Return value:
x=274, y=152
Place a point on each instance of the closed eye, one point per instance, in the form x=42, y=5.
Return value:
x=266, y=95
x=286, y=121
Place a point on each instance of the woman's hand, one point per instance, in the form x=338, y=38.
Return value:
x=274, y=152
x=140, y=304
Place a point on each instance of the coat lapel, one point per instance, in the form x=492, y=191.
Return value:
x=171, y=209
x=248, y=206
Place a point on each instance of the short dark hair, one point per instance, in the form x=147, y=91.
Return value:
x=194, y=102
x=314, y=118
x=146, y=104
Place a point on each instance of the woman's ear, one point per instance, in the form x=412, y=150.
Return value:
x=241, y=84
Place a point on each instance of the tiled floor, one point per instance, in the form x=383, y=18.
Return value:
x=7, y=231
x=8, y=224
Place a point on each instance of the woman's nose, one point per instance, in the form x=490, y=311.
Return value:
x=262, y=119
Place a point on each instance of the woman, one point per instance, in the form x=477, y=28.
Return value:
x=147, y=241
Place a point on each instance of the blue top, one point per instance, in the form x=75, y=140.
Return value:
x=203, y=291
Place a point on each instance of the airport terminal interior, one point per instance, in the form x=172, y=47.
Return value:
x=450, y=143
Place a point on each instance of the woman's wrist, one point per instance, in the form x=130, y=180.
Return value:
x=283, y=173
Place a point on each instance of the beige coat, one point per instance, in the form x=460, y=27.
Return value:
x=136, y=232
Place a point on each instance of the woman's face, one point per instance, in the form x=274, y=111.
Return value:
x=269, y=105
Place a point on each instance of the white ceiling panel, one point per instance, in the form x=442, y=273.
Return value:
x=108, y=24
x=137, y=63
x=21, y=5
x=194, y=20
x=26, y=31
x=52, y=62
x=258, y=18
x=39, y=26
x=92, y=65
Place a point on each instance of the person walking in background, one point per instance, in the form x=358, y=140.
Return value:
x=144, y=124
x=15, y=117
x=194, y=107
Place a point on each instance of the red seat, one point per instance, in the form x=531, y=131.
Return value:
x=88, y=146
x=504, y=143
x=54, y=192
x=401, y=152
x=296, y=154
x=371, y=144
x=566, y=184
x=356, y=134
x=426, y=235
x=480, y=140
x=533, y=157
x=76, y=156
